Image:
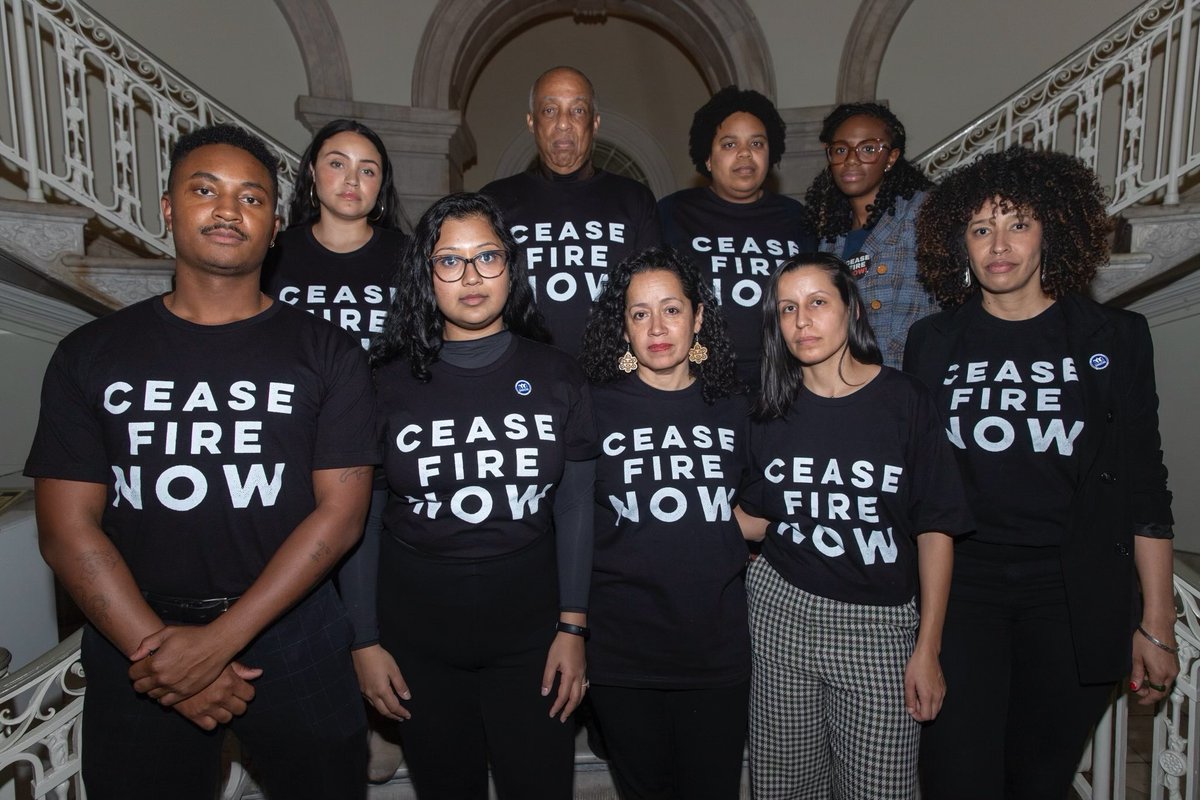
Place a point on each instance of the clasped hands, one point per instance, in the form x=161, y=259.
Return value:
x=190, y=669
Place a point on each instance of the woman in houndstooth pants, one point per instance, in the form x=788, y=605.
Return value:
x=856, y=492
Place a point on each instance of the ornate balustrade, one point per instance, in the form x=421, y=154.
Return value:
x=1175, y=748
x=90, y=116
x=1176, y=766
x=41, y=707
x=1126, y=103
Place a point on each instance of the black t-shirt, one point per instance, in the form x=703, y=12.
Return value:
x=205, y=435
x=1014, y=413
x=737, y=247
x=474, y=456
x=848, y=483
x=351, y=290
x=570, y=233
x=668, y=601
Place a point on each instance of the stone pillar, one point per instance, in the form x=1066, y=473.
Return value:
x=803, y=155
x=428, y=147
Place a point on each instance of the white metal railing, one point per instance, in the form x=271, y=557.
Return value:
x=41, y=707
x=1125, y=103
x=1175, y=745
x=90, y=115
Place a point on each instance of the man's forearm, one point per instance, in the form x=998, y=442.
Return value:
x=305, y=557
x=87, y=562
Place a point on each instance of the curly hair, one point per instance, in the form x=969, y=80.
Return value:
x=604, y=342
x=387, y=212
x=1058, y=190
x=233, y=136
x=720, y=106
x=829, y=210
x=782, y=375
x=414, y=324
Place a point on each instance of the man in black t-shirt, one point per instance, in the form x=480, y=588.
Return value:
x=202, y=460
x=572, y=220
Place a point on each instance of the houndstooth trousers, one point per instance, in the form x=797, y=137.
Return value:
x=827, y=716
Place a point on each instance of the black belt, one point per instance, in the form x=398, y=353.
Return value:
x=187, y=610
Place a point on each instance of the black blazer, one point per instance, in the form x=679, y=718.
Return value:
x=1123, y=488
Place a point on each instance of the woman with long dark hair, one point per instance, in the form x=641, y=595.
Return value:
x=851, y=470
x=343, y=240
x=864, y=208
x=669, y=657
x=336, y=260
x=486, y=551
x=1051, y=407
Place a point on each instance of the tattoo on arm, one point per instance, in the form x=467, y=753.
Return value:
x=321, y=553
x=96, y=608
x=95, y=562
x=354, y=474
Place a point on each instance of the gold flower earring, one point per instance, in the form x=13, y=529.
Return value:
x=628, y=362
x=698, y=353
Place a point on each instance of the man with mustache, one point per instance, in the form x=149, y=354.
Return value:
x=202, y=460
x=572, y=220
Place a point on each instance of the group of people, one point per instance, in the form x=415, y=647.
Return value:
x=585, y=405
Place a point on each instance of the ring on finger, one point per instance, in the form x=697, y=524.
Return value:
x=1156, y=687
x=586, y=683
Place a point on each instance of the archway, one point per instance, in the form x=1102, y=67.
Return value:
x=315, y=29
x=724, y=39
x=866, y=43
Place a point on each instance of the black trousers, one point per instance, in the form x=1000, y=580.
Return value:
x=304, y=732
x=674, y=744
x=1016, y=718
x=471, y=638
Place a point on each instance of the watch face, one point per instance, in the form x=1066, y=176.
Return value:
x=858, y=264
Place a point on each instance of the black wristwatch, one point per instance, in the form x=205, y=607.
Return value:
x=577, y=630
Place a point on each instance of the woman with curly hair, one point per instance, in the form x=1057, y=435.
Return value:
x=485, y=558
x=851, y=470
x=1050, y=404
x=734, y=229
x=864, y=207
x=669, y=656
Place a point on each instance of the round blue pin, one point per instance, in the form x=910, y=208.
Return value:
x=523, y=387
x=1098, y=361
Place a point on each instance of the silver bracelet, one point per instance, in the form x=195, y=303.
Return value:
x=1159, y=643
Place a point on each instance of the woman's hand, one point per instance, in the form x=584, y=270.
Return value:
x=380, y=681
x=1154, y=669
x=566, y=658
x=754, y=529
x=924, y=686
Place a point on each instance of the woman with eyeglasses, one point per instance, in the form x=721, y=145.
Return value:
x=864, y=208
x=485, y=560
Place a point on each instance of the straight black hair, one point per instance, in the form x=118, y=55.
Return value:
x=781, y=373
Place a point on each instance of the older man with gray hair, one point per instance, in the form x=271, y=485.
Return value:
x=572, y=220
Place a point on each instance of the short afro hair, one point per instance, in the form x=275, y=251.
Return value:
x=720, y=106
x=1058, y=190
x=233, y=136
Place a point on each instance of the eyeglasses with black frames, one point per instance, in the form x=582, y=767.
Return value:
x=451, y=268
x=867, y=151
